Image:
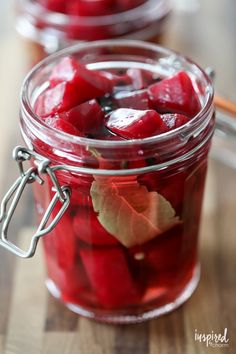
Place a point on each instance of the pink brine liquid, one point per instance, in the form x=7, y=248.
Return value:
x=127, y=245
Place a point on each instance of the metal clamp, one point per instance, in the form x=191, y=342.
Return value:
x=33, y=174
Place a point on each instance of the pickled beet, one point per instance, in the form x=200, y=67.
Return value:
x=54, y=5
x=71, y=281
x=86, y=117
x=88, y=228
x=88, y=84
x=89, y=7
x=65, y=243
x=66, y=70
x=82, y=97
x=175, y=94
x=159, y=259
x=164, y=253
x=135, y=124
x=63, y=125
x=134, y=99
x=173, y=188
x=56, y=99
x=110, y=277
x=129, y=4
x=174, y=121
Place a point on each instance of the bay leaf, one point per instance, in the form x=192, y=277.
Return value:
x=130, y=212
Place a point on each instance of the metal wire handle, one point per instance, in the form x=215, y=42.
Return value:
x=33, y=174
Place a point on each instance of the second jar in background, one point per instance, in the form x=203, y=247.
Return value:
x=48, y=26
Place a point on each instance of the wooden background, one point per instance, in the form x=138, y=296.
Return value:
x=31, y=321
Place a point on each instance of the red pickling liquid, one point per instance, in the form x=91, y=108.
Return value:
x=91, y=267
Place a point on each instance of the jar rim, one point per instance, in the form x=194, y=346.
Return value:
x=185, y=130
x=155, y=8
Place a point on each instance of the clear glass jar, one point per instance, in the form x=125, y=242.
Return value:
x=141, y=270
x=46, y=31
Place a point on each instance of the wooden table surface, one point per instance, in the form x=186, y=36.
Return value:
x=31, y=321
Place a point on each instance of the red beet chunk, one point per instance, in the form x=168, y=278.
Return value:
x=71, y=281
x=134, y=99
x=65, y=243
x=129, y=4
x=63, y=125
x=90, y=7
x=56, y=99
x=88, y=84
x=174, y=121
x=86, y=117
x=109, y=275
x=137, y=163
x=175, y=94
x=80, y=199
x=87, y=33
x=172, y=188
x=88, y=228
x=54, y=5
x=165, y=253
x=166, y=260
x=65, y=70
x=135, y=124
x=74, y=282
x=159, y=257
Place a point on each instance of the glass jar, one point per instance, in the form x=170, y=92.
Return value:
x=112, y=256
x=46, y=31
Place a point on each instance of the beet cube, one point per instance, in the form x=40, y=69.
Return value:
x=175, y=94
x=65, y=243
x=135, y=124
x=54, y=5
x=56, y=99
x=134, y=99
x=89, y=7
x=109, y=275
x=88, y=228
x=86, y=117
x=174, y=121
x=88, y=84
x=62, y=125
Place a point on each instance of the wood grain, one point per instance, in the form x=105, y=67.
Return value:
x=1, y=344
x=132, y=339
x=167, y=335
x=28, y=305
x=59, y=318
x=61, y=343
x=103, y=337
x=12, y=71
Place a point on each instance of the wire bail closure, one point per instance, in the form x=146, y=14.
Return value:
x=33, y=174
